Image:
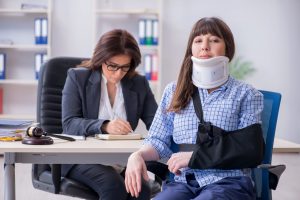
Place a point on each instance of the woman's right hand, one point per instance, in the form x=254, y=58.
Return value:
x=117, y=127
x=135, y=171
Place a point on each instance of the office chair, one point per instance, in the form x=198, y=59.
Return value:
x=50, y=85
x=266, y=176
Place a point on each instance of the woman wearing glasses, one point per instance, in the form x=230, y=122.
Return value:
x=105, y=95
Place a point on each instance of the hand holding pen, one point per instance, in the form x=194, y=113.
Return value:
x=117, y=126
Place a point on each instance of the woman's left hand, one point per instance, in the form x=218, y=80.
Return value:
x=178, y=161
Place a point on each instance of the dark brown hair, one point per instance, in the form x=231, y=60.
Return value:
x=113, y=43
x=184, y=88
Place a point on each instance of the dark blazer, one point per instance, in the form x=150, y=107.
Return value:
x=81, y=98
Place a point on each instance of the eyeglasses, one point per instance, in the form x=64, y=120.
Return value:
x=115, y=67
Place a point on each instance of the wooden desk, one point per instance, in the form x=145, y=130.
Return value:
x=91, y=151
x=284, y=146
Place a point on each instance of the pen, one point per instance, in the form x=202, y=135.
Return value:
x=115, y=116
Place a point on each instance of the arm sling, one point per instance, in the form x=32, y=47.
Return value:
x=216, y=148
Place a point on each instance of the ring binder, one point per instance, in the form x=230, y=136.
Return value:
x=149, y=35
x=155, y=32
x=2, y=65
x=142, y=31
x=147, y=63
x=154, y=72
x=38, y=64
x=44, y=31
x=38, y=30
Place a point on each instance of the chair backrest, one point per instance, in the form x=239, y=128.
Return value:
x=52, y=78
x=51, y=82
x=269, y=121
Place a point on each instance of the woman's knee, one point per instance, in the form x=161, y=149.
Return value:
x=102, y=179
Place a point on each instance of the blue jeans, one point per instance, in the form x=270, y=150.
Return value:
x=239, y=187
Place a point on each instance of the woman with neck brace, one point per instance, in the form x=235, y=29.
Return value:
x=227, y=103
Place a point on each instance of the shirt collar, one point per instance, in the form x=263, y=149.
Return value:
x=228, y=83
x=105, y=81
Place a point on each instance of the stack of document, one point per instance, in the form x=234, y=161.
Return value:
x=12, y=130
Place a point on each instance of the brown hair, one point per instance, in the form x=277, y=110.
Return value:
x=113, y=43
x=184, y=88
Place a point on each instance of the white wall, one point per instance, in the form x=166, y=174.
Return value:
x=72, y=30
x=266, y=33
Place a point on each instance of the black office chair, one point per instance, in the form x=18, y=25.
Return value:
x=48, y=177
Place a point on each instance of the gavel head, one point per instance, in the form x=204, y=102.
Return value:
x=33, y=131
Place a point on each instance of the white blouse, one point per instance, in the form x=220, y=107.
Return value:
x=106, y=111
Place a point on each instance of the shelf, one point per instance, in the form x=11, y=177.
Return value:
x=20, y=11
x=18, y=82
x=19, y=32
x=153, y=83
x=24, y=47
x=149, y=47
x=127, y=12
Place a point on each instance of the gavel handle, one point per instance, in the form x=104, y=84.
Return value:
x=61, y=137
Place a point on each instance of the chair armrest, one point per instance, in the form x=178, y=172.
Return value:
x=275, y=172
x=160, y=170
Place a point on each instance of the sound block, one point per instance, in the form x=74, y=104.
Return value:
x=44, y=140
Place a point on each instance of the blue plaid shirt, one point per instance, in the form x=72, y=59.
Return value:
x=233, y=106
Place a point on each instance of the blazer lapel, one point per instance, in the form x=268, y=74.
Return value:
x=93, y=92
x=130, y=101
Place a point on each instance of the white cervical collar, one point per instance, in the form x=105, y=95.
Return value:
x=210, y=73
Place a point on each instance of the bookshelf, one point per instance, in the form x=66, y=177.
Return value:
x=127, y=14
x=18, y=44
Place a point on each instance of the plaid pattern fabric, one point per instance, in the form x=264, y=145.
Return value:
x=233, y=106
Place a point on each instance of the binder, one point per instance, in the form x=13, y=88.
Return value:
x=38, y=64
x=155, y=31
x=38, y=31
x=2, y=65
x=142, y=31
x=149, y=35
x=147, y=63
x=154, y=72
x=44, y=31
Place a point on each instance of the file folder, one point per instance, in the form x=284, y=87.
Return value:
x=154, y=73
x=2, y=66
x=44, y=33
x=38, y=64
x=38, y=30
x=147, y=63
x=155, y=31
x=149, y=35
x=142, y=31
